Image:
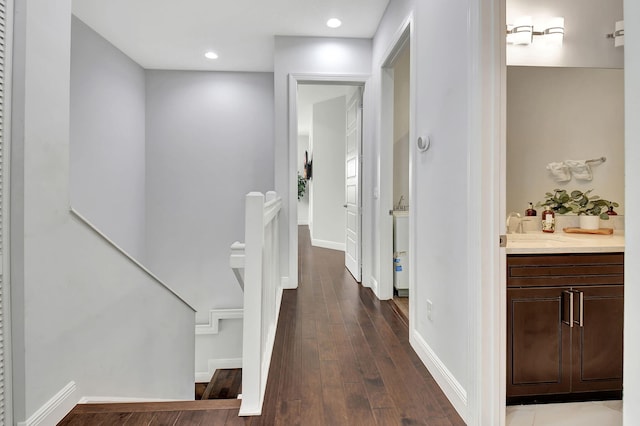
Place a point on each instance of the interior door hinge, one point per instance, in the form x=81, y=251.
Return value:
x=503, y=240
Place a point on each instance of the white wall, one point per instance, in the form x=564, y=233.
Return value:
x=631, y=412
x=401, y=88
x=586, y=24
x=107, y=138
x=445, y=181
x=308, y=55
x=555, y=114
x=442, y=240
x=81, y=311
x=209, y=142
x=328, y=183
x=303, y=203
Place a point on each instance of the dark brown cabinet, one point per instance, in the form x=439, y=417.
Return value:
x=564, y=326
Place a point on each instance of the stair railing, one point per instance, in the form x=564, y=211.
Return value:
x=261, y=282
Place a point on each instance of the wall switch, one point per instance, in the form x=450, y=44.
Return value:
x=429, y=309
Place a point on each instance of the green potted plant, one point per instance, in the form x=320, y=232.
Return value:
x=557, y=201
x=590, y=208
x=302, y=186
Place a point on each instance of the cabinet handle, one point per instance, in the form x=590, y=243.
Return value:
x=567, y=308
x=580, y=321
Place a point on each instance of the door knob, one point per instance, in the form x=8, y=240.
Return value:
x=345, y=206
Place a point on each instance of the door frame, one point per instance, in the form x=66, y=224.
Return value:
x=317, y=78
x=403, y=35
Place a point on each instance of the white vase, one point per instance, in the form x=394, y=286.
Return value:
x=589, y=222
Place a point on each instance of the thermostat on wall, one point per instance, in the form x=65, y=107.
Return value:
x=424, y=143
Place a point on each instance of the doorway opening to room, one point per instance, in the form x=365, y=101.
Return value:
x=328, y=165
x=576, y=325
x=395, y=188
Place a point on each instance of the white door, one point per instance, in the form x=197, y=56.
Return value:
x=352, y=185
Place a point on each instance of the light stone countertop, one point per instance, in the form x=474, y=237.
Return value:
x=538, y=242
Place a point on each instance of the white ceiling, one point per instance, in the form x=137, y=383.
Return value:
x=171, y=34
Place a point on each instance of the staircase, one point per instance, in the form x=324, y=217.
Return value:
x=216, y=403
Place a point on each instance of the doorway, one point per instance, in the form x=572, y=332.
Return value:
x=395, y=176
x=401, y=196
x=328, y=163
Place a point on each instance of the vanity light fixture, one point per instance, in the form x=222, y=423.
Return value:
x=522, y=31
x=618, y=34
x=211, y=55
x=334, y=23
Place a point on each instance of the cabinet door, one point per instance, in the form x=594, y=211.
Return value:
x=538, y=342
x=597, y=345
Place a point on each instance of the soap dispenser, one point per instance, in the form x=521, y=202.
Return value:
x=548, y=220
x=530, y=211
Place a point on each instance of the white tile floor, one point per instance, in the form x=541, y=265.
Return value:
x=596, y=413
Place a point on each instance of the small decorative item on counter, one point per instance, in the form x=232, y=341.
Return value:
x=548, y=220
x=610, y=212
x=530, y=211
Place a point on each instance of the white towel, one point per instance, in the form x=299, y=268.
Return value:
x=559, y=171
x=580, y=169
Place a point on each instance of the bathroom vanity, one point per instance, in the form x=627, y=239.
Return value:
x=565, y=309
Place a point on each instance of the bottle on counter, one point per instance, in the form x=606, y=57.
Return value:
x=610, y=212
x=548, y=220
x=530, y=211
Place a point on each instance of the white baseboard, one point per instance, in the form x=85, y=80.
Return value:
x=215, y=316
x=285, y=283
x=453, y=390
x=55, y=409
x=217, y=364
x=328, y=244
x=373, y=283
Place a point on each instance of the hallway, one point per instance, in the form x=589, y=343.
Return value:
x=342, y=357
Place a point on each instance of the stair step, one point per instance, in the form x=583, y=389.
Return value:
x=134, y=407
x=225, y=383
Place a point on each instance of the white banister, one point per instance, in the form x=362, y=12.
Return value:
x=236, y=261
x=261, y=282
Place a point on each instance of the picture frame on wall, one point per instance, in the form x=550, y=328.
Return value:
x=308, y=166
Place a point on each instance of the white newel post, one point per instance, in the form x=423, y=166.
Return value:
x=258, y=257
x=252, y=336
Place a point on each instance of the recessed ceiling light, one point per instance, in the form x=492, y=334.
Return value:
x=334, y=23
x=211, y=55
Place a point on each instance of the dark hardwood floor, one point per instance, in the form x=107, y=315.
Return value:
x=341, y=357
x=226, y=383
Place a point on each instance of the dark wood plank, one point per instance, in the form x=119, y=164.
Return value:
x=225, y=384
x=288, y=413
x=333, y=396
x=234, y=420
x=358, y=406
x=165, y=418
x=202, y=417
x=140, y=419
